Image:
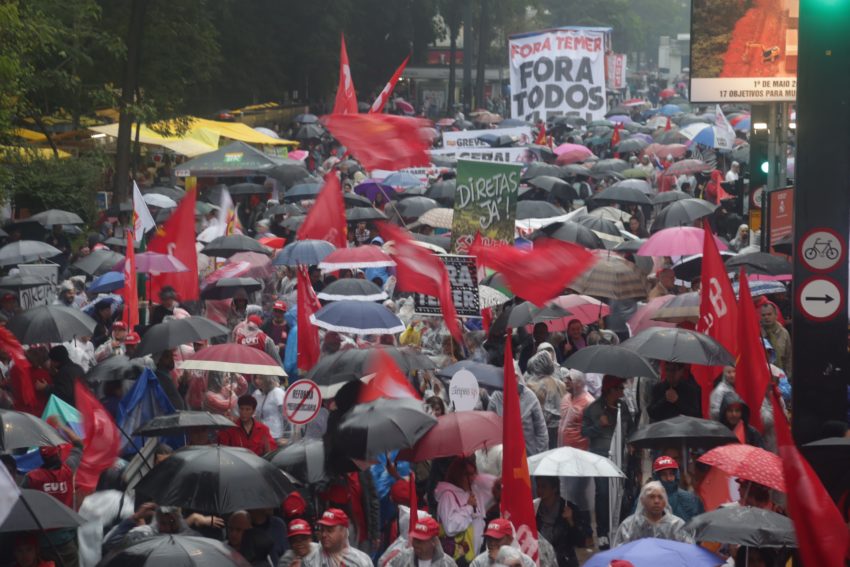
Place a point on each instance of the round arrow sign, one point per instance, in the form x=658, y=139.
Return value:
x=820, y=299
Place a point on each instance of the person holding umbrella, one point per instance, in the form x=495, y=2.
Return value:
x=676, y=394
x=425, y=547
x=167, y=304
x=684, y=504
x=249, y=433
x=335, y=549
x=653, y=518
x=164, y=367
x=301, y=544
x=735, y=414
x=114, y=346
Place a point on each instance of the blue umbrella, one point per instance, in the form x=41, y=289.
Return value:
x=670, y=109
x=371, y=189
x=651, y=552
x=303, y=191
x=489, y=376
x=402, y=179
x=303, y=252
x=762, y=287
x=358, y=318
x=110, y=281
x=743, y=125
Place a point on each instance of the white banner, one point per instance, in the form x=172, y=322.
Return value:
x=724, y=135
x=615, y=69
x=558, y=72
x=41, y=295
x=505, y=155
x=783, y=89
x=470, y=138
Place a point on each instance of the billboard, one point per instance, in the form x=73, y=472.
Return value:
x=463, y=277
x=558, y=72
x=744, y=51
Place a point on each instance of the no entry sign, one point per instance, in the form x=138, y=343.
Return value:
x=302, y=402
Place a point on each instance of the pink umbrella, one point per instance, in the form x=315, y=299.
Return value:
x=582, y=307
x=642, y=319
x=155, y=263
x=572, y=153
x=259, y=265
x=369, y=256
x=677, y=241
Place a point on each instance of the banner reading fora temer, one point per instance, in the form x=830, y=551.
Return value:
x=558, y=72
x=485, y=202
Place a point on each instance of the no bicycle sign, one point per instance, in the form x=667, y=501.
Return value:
x=302, y=402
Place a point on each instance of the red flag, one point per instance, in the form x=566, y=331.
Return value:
x=177, y=238
x=384, y=95
x=486, y=318
x=822, y=535
x=615, y=137
x=667, y=126
x=389, y=381
x=517, y=504
x=753, y=372
x=382, y=141
x=22, y=387
x=541, y=135
x=718, y=313
x=346, y=98
x=308, y=335
x=414, y=506
x=130, y=291
x=326, y=219
x=537, y=275
x=101, y=442
x=421, y=271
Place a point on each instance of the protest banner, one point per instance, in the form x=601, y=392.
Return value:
x=615, y=71
x=500, y=155
x=41, y=295
x=558, y=72
x=463, y=277
x=485, y=203
x=472, y=138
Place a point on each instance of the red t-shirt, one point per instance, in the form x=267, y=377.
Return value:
x=259, y=440
x=58, y=483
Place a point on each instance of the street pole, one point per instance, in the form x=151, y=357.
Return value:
x=468, y=50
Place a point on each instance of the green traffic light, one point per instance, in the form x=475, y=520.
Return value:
x=764, y=167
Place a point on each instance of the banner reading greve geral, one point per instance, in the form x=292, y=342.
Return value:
x=558, y=72
x=485, y=203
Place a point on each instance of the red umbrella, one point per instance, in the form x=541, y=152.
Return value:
x=232, y=357
x=642, y=319
x=677, y=241
x=667, y=93
x=155, y=263
x=687, y=167
x=748, y=463
x=457, y=434
x=582, y=307
x=663, y=150
x=275, y=242
x=369, y=256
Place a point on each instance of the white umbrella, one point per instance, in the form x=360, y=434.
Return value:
x=611, y=213
x=158, y=200
x=490, y=297
x=571, y=462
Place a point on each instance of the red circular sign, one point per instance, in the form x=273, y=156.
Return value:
x=821, y=250
x=302, y=402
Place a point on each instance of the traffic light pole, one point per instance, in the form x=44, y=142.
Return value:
x=821, y=219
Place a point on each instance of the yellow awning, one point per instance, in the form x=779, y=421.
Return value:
x=240, y=132
x=30, y=135
x=188, y=146
x=29, y=152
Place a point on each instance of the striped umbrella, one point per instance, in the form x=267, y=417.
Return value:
x=611, y=276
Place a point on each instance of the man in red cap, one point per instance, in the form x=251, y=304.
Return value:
x=499, y=532
x=249, y=433
x=114, y=346
x=249, y=333
x=276, y=328
x=335, y=550
x=131, y=343
x=301, y=544
x=426, y=548
x=684, y=504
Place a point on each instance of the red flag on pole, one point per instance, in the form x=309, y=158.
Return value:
x=615, y=137
x=667, y=126
x=22, y=386
x=822, y=535
x=537, y=275
x=326, y=219
x=541, y=135
x=421, y=271
x=388, y=381
x=753, y=372
x=413, y=499
x=384, y=95
x=517, y=504
x=346, y=98
x=382, y=141
x=101, y=442
x=177, y=238
x=308, y=335
x=718, y=313
x=130, y=291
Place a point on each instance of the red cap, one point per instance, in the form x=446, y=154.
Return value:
x=48, y=451
x=499, y=528
x=425, y=529
x=299, y=527
x=333, y=517
x=119, y=326
x=279, y=306
x=663, y=463
x=294, y=505
x=255, y=319
x=132, y=338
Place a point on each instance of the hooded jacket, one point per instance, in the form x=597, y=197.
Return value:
x=751, y=436
x=684, y=504
x=639, y=526
x=533, y=421
x=453, y=512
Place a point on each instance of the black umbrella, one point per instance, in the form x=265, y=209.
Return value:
x=613, y=165
x=173, y=193
x=526, y=313
x=21, y=281
x=116, y=367
x=345, y=366
x=293, y=222
x=227, y=246
x=364, y=214
x=443, y=242
x=442, y=192
x=289, y=172
x=599, y=224
x=538, y=168
x=162, y=215
x=570, y=231
x=248, y=189
x=683, y=212
x=303, y=191
x=631, y=145
x=355, y=200
x=622, y=194
x=227, y=287
x=744, y=525
x=120, y=243
x=759, y=263
x=98, y=262
x=215, y=480
x=537, y=210
x=610, y=359
x=631, y=246
x=50, y=324
x=175, y=551
x=177, y=423
x=823, y=455
x=19, y=430
x=690, y=267
x=381, y=426
x=669, y=197
x=311, y=131
x=352, y=289
x=171, y=334
x=679, y=345
x=488, y=376
x=286, y=209
x=56, y=216
x=303, y=459
x=47, y=510
x=554, y=185
x=416, y=206
x=573, y=169
x=305, y=252
x=306, y=119
x=694, y=431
